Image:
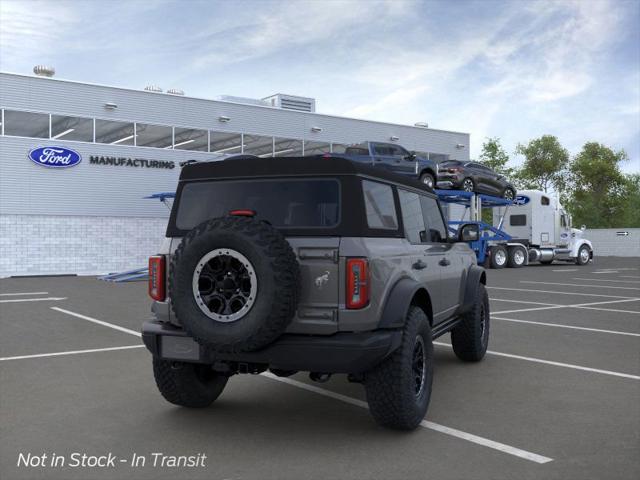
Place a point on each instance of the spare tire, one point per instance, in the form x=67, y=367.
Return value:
x=234, y=284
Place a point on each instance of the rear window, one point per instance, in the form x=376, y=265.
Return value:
x=295, y=203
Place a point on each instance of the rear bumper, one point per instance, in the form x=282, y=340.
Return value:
x=338, y=353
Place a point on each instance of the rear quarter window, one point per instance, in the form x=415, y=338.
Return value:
x=379, y=205
x=285, y=203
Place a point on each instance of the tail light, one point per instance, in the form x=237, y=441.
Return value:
x=157, y=277
x=357, y=283
x=454, y=170
x=242, y=212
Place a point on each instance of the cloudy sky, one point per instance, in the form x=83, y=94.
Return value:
x=515, y=69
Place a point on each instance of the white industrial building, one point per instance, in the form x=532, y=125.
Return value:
x=90, y=217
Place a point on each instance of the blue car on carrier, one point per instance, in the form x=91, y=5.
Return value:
x=394, y=158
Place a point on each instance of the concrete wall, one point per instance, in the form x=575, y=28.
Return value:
x=607, y=242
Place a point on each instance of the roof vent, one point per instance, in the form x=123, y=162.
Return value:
x=421, y=124
x=44, y=71
x=292, y=102
x=175, y=91
x=153, y=88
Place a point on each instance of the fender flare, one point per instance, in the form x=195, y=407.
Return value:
x=398, y=302
x=475, y=276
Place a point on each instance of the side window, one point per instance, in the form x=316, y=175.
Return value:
x=398, y=151
x=544, y=201
x=412, y=216
x=379, y=205
x=518, y=220
x=436, y=229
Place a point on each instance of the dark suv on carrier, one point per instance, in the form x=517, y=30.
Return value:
x=308, y=264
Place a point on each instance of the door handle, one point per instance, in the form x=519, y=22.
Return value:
x=444, y=262
x=419, y=265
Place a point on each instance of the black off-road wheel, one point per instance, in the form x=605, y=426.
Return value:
x=509, y=194
x=470, y=337
x=234, y=284
x=188, y=384
x=399, y=389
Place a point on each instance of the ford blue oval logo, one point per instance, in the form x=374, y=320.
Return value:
x=55, y=157
x=521, y=200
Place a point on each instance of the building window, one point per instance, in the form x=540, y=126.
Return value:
x=26, y=124
x=316, y=148
x=338, y=148
x=380, y=207
x=258, y=145
x=191, y=139
x=71, y=128
x=287, y=147
x=157, y=136
x=225, y=143
x=114, y=133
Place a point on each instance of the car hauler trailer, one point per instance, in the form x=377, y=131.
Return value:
x=532, y=228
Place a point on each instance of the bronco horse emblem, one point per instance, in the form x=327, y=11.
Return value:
x=322, y=279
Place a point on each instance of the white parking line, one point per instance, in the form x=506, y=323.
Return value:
x=597, y=330
x=579, y=285
x=606, y=280
x=629, y=276
x=23, y=293
x=611, y=310
x=533, y=457
x=99, y=322
x=19, y=300
x=559, y=293
x=566, y=270
x=71, y=352
x=556, y=364
x=523, y=301
x=605, y=272
x=575, y=305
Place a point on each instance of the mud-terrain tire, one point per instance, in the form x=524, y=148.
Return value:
x=264, y=270
x=188, y=384
x=470, y=338
x=391, y=386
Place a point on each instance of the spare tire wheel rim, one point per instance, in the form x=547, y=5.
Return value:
x=225, y=285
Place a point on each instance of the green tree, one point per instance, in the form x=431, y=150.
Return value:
x=598, y=193
x=545, y=164
x=495, y=157
x=630, y=216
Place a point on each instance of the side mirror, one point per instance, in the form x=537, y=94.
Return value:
x=411, y=157
x=469, y=232
x=583, y=228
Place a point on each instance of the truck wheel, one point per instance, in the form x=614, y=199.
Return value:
x=399, y=389
x=188, y=384
x=468, y=185
x=428, y=180
x=470, y=337
x=517, y=257
x=498, y=256
x=509, y=194
x=584, y=255
x=234, y=284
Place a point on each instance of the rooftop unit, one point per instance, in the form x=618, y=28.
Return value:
x=291, y=102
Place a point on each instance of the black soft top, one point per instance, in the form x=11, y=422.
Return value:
x=248, y=167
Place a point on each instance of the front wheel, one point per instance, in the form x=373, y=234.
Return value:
x=509, y=194
x=188, y=384
x=399, y=389
x=428, y=180
x=470, y=337
x=584, y=255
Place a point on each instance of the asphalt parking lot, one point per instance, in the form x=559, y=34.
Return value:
x=556, y=397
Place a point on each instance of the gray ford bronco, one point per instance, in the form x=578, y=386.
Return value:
x=321, y=265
